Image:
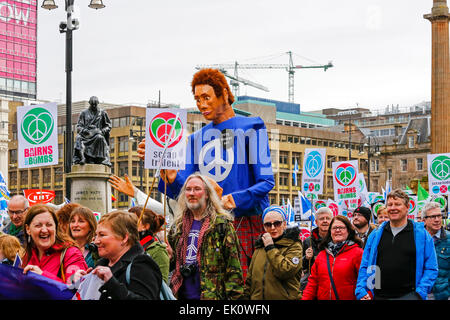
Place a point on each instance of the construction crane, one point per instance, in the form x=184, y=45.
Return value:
x=235, y=80
x=290, y=68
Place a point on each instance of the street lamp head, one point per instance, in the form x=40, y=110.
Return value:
x=49, y=4
x=96, y=4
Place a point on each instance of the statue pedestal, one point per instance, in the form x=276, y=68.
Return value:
x=90, y=187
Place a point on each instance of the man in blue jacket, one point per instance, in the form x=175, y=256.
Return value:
x=432, y=217
x=399, y=260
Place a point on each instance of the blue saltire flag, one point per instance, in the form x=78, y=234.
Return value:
x=66, y=201
x=290, y=213
x=294, y=173
x=4, y=192
x=386, y=191
x=14, y=285
x=133, y=203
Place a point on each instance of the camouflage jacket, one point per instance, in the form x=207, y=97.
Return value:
x=221, y=275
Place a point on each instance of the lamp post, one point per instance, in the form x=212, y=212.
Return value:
x=138, y=135
x=372, y=150
x=68, y=27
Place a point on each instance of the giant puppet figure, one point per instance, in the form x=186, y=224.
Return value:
x=233, y=151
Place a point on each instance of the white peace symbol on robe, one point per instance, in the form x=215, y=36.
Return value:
x=218, y=162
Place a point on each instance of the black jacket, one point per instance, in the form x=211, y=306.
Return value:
x=314, y=240
x=145, y=277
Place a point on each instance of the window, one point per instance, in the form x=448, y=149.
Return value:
x=389, y=174
x=297, y=155
x=124, y=121
x=411, y=142
x=330, y=160
x=123, y=144
x=60, y=151
x=24, y=177
x=123, y=168
x=111, y=144
x=35, y=176
x=284, y=179
x=375, y=165
x=419, y=164
x=284, y=157
x=13, y=178
x=46, y=176
x=58, y=174
x=404, y=165
x=13, y=156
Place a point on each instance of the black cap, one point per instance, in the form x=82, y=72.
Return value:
x=364, y=211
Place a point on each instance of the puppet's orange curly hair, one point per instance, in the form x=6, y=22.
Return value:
x=215, y=79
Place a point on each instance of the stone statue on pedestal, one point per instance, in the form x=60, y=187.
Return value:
x=92, y=141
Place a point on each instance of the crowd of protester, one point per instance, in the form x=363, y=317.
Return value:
x=135, y=253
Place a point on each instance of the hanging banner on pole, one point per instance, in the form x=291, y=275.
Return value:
x=345, y=180
x=159, y=124
x=35, y=196
x=438, y=173
x=413, y=208
x=313, y=170
x=37, y=135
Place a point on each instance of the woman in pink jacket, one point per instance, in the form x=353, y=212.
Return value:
x=48, y=251
x=341, y=257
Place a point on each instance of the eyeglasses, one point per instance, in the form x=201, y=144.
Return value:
x=341, y=228
x=434, y=216
x=269, y=225
x=17, y=213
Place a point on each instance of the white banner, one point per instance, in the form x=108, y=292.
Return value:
x=313, y=170
x=37, y=135
x=413, y=208
x=438, y=173
x=345, y=180
x=159, y=124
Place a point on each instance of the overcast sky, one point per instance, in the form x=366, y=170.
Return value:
x=128, y=51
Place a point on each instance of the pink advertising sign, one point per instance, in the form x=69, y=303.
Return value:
x=18, y=20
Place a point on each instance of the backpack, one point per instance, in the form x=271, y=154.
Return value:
x=165, y=292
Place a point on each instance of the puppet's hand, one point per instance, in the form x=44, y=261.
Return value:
x=168, y=174
x=228, y=202
x=121, y=185
x=141, y=149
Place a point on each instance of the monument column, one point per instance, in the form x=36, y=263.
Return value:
x=440, y=77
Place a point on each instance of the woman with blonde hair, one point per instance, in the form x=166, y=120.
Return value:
x=128, y=272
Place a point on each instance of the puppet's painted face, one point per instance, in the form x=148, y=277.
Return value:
x=211, y=107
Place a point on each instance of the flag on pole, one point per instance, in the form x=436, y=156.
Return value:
x=133, y=203
x=294, y=173
x=422, y=194
x=386, y=190
x=306, y=208
x=4, y=192
x=409, y=191
x=290, y=213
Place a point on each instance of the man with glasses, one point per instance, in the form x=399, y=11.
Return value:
x=399, y=261
x=432, y=217
x=17, y=208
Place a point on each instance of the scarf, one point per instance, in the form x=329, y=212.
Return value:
x=188, y=218
x=13, y=230
x=335, y=247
